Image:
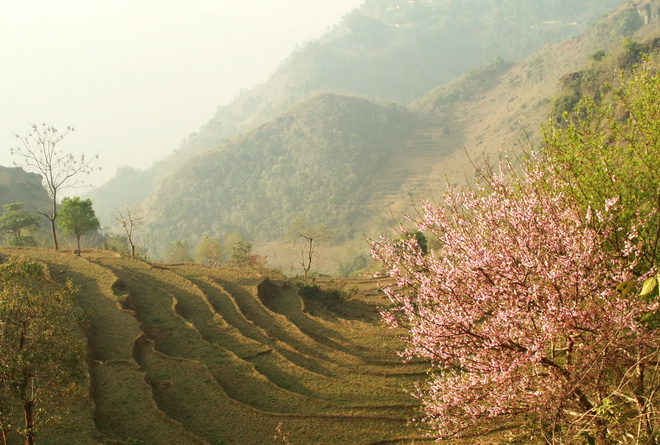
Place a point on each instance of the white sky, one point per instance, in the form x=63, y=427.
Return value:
x=135, y=77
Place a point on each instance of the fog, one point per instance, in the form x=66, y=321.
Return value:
x=135, y=78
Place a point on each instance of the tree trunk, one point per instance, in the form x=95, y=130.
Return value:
x=28, y=410
x=52, y=229
x=78, y=240
x=28, y=404
x=132, y=250
x=3, y=436
x=52, y=217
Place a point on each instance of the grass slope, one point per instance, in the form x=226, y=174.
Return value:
x=189, y=354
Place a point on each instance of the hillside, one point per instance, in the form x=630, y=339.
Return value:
x=319, y=161
x=353, y=163
x=388, y=50
x=188, y=354
x=17, y=185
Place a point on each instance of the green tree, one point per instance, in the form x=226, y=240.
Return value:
x=77, y=218
x=607, y=151
x=178, y=252
x=42, y=350
x=238, y=249
x=209, y=252
x=240, y=253
x=15, y=221
x=59, y=170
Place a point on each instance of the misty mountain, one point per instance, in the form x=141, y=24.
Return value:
x=17, y=185
x=319, y=160
x=351, y=163
x=387, y=50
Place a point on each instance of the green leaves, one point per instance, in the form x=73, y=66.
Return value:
x=77, y=218
x=650, y=284
x=42, y=350
x=625, y=287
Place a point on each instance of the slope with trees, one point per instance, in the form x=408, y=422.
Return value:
x=316, y=161
x=320, y=164
x=388, y=50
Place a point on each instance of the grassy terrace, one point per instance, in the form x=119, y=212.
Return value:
x=190, y=354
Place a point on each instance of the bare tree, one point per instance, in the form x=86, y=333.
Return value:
x=309, y=236
x=58, y=170
x=130, y=218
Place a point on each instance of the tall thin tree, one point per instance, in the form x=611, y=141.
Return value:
x=59, y=170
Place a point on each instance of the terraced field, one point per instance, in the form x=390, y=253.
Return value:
x=184, y=354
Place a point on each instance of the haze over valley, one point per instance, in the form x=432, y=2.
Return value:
x=282, y=181
x=357, y=124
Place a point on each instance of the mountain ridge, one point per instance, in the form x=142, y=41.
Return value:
x=387, y=47
x=502, y=112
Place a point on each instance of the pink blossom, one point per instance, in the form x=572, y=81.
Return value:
x=517, y=309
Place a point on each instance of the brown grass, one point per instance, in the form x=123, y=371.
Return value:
x=189, y=354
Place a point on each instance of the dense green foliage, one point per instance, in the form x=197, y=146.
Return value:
x=15, y=222
x=317, y=162
x=607, y=149
x=41, y=348
x=77, y=218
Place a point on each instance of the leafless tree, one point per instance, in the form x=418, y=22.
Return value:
x=130, y=218
x=309, y=236
x=59, y=170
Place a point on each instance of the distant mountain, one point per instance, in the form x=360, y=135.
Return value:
x=17, y=185
x=386, y=50
x=352, y=163
x=321, y=160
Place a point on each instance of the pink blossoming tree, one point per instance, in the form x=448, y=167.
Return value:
x=521, y=310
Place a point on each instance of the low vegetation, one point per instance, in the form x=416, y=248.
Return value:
x=223, y=355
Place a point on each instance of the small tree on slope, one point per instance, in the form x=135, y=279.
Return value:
x=77, y=217
x=521, y=310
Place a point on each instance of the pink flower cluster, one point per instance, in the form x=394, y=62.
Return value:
x=517, y=306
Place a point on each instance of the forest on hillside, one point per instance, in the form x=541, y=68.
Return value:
x=384, y=51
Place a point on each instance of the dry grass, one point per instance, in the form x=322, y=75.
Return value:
x=188, y=354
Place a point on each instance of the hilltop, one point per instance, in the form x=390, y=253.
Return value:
x=17, y=185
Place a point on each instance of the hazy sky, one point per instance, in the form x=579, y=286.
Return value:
x=135, y=77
